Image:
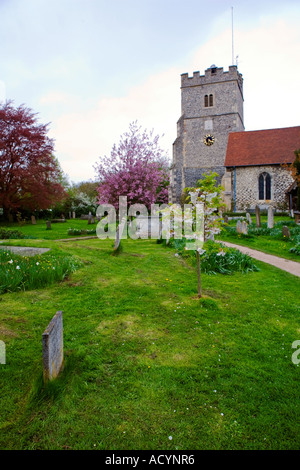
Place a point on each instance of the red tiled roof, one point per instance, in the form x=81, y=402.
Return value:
x=267, y=147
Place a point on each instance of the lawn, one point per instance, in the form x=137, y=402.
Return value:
x=274, y=245
x=58, y=230
x=147, y=364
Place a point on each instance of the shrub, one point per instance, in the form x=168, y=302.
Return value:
x=25, y=273
x=8, y=234
x=77, y=231
x=216, y=258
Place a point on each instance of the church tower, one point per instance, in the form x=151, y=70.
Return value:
x=211, y=108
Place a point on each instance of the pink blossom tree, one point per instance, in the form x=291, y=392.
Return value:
x=136, y=168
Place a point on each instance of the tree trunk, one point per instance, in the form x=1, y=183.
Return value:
x=199, y=274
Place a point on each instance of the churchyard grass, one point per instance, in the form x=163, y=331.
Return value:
x=148, y=365
x=58, y=230
x=275, y=244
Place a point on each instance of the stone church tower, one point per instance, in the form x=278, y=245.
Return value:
x=211, y=108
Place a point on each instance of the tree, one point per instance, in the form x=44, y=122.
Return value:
x=210, y=195
x=29, y=173
x=136, y=168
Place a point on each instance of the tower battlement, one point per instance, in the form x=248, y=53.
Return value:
x=213, y=74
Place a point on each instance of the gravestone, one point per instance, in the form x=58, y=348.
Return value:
x=53, y=351
x=270, y=217
x=244, y=228
x=286, y=232
x=69, y=215
x=225, y=219
x=73, y=215
x=33, y=221
x=119, y=232
x=2, y=353
x=48, y=225
x=257, y=215
x=249, y=220
x=239, y=226
x=90, y=219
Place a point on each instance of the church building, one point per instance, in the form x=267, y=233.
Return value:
x=211, y=137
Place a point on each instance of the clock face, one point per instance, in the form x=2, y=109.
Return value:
x=209, y=139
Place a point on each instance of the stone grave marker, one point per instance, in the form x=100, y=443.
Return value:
x=53, y=351
x=73, y=215
x=48, y=225
x=248, y=216
x=2, y=353
x=239, y=226
x=270, y=217
x=225, y=219
x=286, y=232
x=33, y=220
x=257, y=215
x=244, y=228
x=119, y=232
x=90, y=219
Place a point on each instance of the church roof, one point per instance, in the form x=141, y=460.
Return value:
x=266, y=147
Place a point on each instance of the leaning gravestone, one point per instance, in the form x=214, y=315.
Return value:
x=257, y=215
x=53, y=351
x=286, y=232
x=119, y=233
x=270, y=217
x=249, y=220
x=33, y=221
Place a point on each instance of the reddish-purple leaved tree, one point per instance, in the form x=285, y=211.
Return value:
x=136, y=168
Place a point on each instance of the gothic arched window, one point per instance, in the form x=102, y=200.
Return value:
x=211, y=100
x=206, y=101
x=264, y=186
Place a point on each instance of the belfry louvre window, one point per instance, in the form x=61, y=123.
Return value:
x=264, y=186
x=208, y=101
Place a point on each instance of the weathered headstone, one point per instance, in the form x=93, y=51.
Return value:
x=225, y=219
x=48, y=225
x=73, y=215
x=244, y=228
x=239, y=226
x=2, y=353
x=33, y=221
x=257, y=214
x=249, y=220
x=286, y=232
x=119, y=232
x=53, y=351
x=270, y=217
x=69, y=215
x=90, y=219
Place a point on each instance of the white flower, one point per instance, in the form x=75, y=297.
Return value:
x=18, y=267
x=200, y=251
x=170, y=437
x=221, y=253
x=11, y=261
x=53, y=267
x=37, y=263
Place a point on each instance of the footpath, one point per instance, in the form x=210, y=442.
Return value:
x=292, y=267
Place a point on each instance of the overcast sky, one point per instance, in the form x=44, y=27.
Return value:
x=90, y=67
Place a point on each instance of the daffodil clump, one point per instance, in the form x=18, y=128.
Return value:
x=31, y=272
